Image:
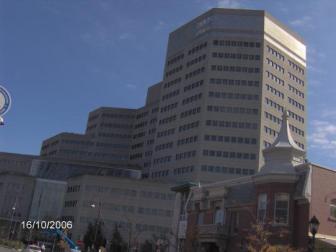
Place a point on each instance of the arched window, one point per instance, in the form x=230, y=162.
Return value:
x=333, y=208
x=281, y=208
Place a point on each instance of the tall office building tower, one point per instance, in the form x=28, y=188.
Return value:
x=229, y=75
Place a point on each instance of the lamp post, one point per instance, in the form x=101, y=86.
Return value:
x=97, y=222
x=313, y=227
x=11, y=221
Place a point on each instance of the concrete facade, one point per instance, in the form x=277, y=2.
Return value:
x=141, y=209
x=16, y=191
x=228, y=76
x=14, y=162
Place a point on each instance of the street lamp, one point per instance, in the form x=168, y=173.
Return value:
x=313, y=227
x=97, y=222
x=11, y=221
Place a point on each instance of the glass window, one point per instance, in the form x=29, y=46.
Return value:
x=281, y=208
x=219, y=216
x=200, y=218
x=262, y=207
x=333, y=208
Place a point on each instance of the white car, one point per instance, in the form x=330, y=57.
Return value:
x=32, y=248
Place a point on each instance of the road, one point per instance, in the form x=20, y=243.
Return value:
x=3, y=249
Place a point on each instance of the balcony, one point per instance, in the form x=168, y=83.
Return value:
x=212, y=231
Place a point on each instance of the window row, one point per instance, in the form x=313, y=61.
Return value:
x=230, y=82
x=150, y=141
x=196, y=60
x=193, y=98
x=171, y=94
x=167, y=120
x=74, y=188
x=175, y=59
x=138, y=135
x=153, y=120
x=155, y=110
x=112, y=145
x=157, y=195
x=230, y=124
x=169, y=107
x=275, y=53
x=116, y=125
x=296, y=130
x=296, y=116
x=270, y=131
x=155, y=212
x=187, y=140
x=113, y=135
x=183, y=170
x=275, y=65
x=296, y=79
x=194, y=73
x=162, y=160
x=174, y=70
x=224, y=169
x=185, y=155
x=296, y=67
x=140, y=125
x=228, y=154
x=234, y=43
x=164, y=146
x=233, y=110
x=119, y=116
x=93, y=154
x=166, y=132
x=273, y=118
x=89, y=143
x=190, y=112
x=236, y=96
x=193, y=85
x=136, y=146
x=70, y=203
x=136, y=156
x=158, y=174
x=295, y=91
x=230, y=139
x=197, y=48
x=296, y=104
x=275, y=91
x=148, y=153
x=236, y=56
x=189, y=126
x=237, y=69
x=142, y=115
x=172, y=82
x=274, y=104
x=275, y=78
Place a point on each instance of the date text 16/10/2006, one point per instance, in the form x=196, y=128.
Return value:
x=46, y=224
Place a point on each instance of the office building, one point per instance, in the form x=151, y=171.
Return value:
x=228, y=76
x=141, y=209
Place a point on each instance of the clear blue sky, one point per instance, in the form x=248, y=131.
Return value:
x=61, y=59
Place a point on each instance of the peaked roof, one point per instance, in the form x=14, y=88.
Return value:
x=284, y=138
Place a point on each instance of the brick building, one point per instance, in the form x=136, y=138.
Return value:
x=281, y=199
